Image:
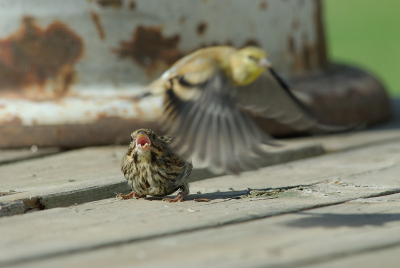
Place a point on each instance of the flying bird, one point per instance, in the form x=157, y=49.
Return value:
x=206, y=96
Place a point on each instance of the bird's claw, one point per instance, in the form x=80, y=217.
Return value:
x=128, y=196
x=202, y=200
x=178, y=198
x=124, y=196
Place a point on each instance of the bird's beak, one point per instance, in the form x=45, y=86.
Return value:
x=143, y=142
x=264, y=63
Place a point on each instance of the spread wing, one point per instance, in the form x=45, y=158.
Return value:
x=269, y=96
x=201, y=112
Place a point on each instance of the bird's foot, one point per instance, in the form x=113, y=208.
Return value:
x=127, y=196
x=178, y=198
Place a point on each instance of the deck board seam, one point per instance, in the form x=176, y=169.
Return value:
x=195, y=229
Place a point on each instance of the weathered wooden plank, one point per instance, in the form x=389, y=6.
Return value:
x=321, y=181
x=352, y=140
x=318, y=237
x=92, y=174
x=89, y=174
x=69, y=172
x=387, y=257
x=15, y=155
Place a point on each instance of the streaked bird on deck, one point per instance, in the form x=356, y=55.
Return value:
x=152, y=167
x=205, y=95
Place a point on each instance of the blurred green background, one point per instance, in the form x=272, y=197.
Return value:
x=366, y=33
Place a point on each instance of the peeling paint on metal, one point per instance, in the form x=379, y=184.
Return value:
x=150, y=49
x=80, y=109
x=44, y=103
x=33, y=55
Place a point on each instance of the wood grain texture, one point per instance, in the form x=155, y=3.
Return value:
x=14, y=155
x=90, y=174
x=349, y=234
x=297, y=189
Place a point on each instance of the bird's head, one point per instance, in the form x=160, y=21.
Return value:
x=143, y=141
x=247, y=64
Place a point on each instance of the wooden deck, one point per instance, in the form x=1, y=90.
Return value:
x=329, y=201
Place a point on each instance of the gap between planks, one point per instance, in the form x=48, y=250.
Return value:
x=297, y=263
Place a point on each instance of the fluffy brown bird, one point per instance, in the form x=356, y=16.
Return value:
x=153, y=168
x=205, y=95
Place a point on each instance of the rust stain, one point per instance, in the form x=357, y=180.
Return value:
x=15, y=121
x=182, y=20
x=307, y=53
x=202, y=45
x=323, y=60
x=305, y=59
x=33, y=55
x=132, y=5
x=96, y=21
x=110, y=3
x=295, y=24
x=291, y=44
x=68, y=79
x=263, y=5
x=201, y=28
x=150, y=49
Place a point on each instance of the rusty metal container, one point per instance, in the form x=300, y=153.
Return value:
x=68, y=69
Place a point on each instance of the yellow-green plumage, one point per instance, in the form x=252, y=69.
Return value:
x=205, y=95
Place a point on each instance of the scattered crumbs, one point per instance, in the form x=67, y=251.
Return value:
x=198, y=192
x=166, y=206
x=34, y=148
x=192, y=210
x=231, y=189
x=259, y=193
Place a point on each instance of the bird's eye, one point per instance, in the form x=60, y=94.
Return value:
x=251, y=57
x=131, y=138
